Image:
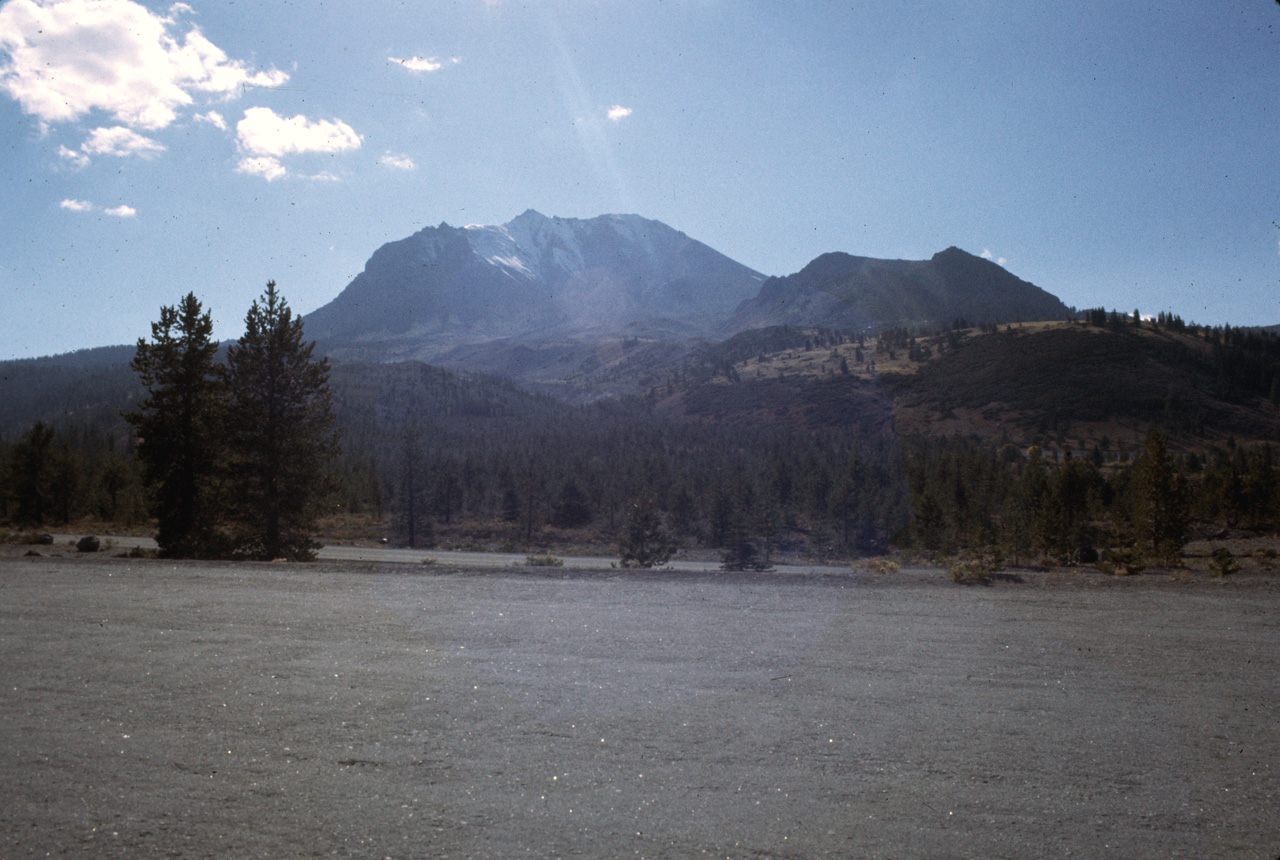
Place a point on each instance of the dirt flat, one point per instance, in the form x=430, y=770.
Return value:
x=160, y=709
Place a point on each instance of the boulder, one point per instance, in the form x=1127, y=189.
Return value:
x=88, y=543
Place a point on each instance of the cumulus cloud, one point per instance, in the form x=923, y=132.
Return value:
x=120, y=142
x=77, y=205
x=122, y=211
x=399, y=162
x=69, y=57
x=987, y=255
x=263, y=132
x=618, y=113
x=77, y=158
x=213, y=118
x=423, y=64
x=268, y=168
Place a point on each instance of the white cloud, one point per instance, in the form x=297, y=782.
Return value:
x=618, y=113
x=79, y=159
x=122, y=211
x=987, y=255
x=120, y=142
x=69, y=57
x=399, y=162
x=214, y=119
x=77, y=205
x=263, y=132
x=268, y=168
x=423, y=64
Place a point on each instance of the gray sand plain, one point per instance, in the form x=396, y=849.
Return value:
x=159, y=709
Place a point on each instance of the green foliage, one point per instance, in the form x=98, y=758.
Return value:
x=644, y=541
x=1223, y=563
x=1160, y=517
x=573, y=509
x=544, y=560
x=180, y=427
x=29, y=475
x=280, y=438
x=974, y=568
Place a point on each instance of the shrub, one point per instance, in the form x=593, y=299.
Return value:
x=1223, y=563
x=547, y=560
x=975, y=568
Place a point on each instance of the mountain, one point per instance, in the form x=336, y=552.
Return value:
x=445, y=288
x=861, y=293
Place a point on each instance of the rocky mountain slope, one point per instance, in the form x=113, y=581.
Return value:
x=445, y=288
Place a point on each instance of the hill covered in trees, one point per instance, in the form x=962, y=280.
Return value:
x=1033, y=439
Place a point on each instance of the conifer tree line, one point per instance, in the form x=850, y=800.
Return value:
x=238, y=456
x=1027, y=508
x=237, y=453
x=594, y=475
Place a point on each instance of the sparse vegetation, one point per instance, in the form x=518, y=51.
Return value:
x=1223, y=563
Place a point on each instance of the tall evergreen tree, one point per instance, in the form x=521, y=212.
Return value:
x=412, y=486
x=573, y=509
x=644, y=542
x=1160, y=515
x=179, y=428
x=30, y=471
x=281, y=435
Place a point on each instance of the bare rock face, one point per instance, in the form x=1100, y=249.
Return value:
x=88, y=543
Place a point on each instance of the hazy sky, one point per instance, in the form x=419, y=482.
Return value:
x=1115, y=153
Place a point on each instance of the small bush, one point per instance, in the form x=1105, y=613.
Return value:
x=1223, y=563
x=431, y=559
x=139, y=552
x=976, y=568
x=1124, y=562
x=883, y=565
x=547, y=560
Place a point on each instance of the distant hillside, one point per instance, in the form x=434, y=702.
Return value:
x=1077, y=382
x=1056, y=384
x=87, y=388
x=862, y=294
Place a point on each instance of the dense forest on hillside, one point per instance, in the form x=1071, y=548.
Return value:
x=434, y=457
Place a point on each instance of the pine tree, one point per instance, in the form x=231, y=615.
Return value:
x=644, y=542
x=179, y=429
x=412, y=485
x=573, y=509
x=281, y=435
x=30, y=471
x=1160, y=509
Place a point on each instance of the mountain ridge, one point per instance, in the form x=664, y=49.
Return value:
x=865, y=293
x=446, y=286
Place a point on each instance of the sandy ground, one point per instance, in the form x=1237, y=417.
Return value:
x=160, y=709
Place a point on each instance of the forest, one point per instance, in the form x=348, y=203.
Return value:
x=427, y=457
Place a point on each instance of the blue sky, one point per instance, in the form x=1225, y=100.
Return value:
x=1115, y=153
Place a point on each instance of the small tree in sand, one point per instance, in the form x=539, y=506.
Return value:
x=644, y=542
